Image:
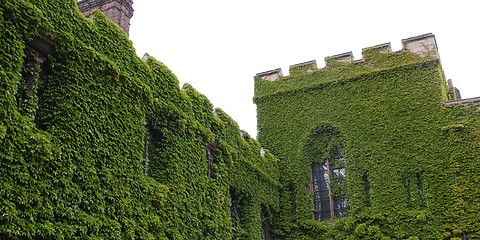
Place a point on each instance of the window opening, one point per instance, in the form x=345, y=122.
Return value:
x=266, y=229
x=29, y=96
x=414, y=190
x=408, y=192
x=338, y=183
x=321, y=192
x=328, y=180
x=421, y=192
x=267, y=233
x=152, y=140
x=210, y=161
x=328, y=174
x=146, y=140
x=235, y=211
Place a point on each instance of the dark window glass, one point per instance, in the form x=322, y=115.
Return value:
x=210, y=161
x=321, y=197
x=329, y=188
x=267, y=234
x=235, y=213
x=340, y=204
x=266, y=229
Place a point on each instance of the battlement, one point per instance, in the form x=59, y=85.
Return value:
x=342, y=57
x=423, y=45
x=385, y=47
x=271, y=75
x=309, y=66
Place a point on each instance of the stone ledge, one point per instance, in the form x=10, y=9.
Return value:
x=475, y=100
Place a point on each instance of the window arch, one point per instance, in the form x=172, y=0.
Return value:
x=328, y=174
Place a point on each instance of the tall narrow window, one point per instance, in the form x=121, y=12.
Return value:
x=338, y=184
x=27, y=95
x=152, y=141
x=266, y=229
x=328, y=176
x=30, y=95
x=407, y=190
x=329, y=198
x=414, y=190
x=146, y=140
x=321, y=192
x=235, y=212
x=421, y=192
x=210, y=161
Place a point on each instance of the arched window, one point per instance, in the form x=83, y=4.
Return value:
x=328, y=183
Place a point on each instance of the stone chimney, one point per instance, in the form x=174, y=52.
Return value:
x=119, y=11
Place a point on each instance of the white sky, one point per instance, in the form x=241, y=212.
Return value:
x=219, y=45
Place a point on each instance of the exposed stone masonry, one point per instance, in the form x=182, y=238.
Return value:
x=422, y=45
x=119, y=11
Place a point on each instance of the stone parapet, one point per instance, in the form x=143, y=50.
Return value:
x=309, y=66
x=271, y=75
x=423, y=45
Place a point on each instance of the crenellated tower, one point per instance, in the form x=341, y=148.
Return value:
x=119, y=11
x=366, y=136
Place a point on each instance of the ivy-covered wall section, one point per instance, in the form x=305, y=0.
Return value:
x=412, y=164
x=96, y=143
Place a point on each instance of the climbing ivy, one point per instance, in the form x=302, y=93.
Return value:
x=107, y=146
x=412, y=163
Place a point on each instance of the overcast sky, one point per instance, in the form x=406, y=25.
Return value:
x=219, y=45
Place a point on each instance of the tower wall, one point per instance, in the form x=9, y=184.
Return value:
x=119, y=11
x=382, y=125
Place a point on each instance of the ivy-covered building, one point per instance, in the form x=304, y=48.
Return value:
x=377, y=148
x=97, y=143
